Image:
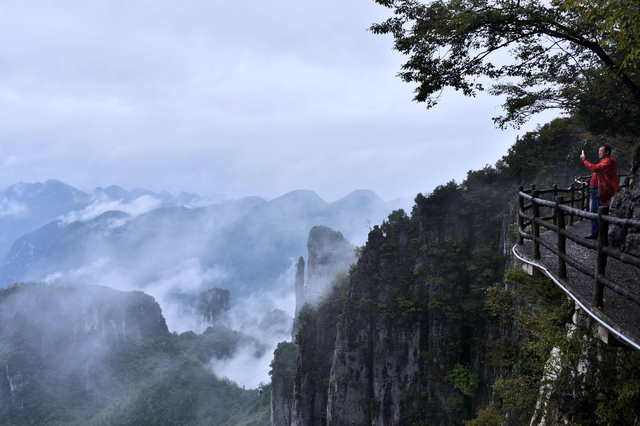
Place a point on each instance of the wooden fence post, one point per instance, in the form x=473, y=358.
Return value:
x=562, y=239
x=520, y=218
x=572, y=188
x=536, y=226
x=603, y=241
x=555, y=198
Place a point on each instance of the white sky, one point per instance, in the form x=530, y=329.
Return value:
x=236, y=97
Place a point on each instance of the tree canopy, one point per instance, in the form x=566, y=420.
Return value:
x=581, y=56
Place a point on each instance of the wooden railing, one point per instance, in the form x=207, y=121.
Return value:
x=566, y=207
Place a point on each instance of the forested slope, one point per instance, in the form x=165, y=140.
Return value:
x=431, y=326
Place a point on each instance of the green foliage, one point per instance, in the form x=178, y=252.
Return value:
x=166, y=388
x=499, y=303
x=216, y=342
x=592, y=383
x=67, y=374
x=617, y=21
x=548, y=155
x=532, y=314
x=284, y=360
x=257, y=415
x=465, y=380
x=555, y=49
x=485, y=334
x=487, y=417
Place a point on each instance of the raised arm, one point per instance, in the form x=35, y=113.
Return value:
x=598, y=167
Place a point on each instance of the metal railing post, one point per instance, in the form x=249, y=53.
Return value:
x=536, y=226
x=603, y=241
x=562, y=240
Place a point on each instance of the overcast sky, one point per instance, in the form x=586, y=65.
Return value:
x=224, y=96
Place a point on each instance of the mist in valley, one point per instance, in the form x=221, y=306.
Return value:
x=181, y=251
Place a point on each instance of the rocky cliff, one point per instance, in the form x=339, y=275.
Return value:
x=626, y=204
x=62, y=335
x=409, y=344
x=93, y=355
x=212, y=303
x=299, y=285
x=300, y=384
x=329, y=254
x=283, y=374
x=397, y=340
x=427, y=329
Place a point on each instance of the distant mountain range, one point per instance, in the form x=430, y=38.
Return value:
x=24, y=207
x=136, y=239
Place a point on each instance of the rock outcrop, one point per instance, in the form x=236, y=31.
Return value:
x=94, y=313
x=212, y=303
x=399, y=340
x=329, y=254
x=626, y=204
x=377, y=352
x=304, y=402
x=299, y=285
x=64, y=335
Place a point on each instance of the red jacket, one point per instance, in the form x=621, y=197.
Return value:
x=604, y=177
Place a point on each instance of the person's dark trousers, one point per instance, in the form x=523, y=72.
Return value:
x=594, y=207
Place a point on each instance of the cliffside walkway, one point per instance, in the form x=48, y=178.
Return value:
x=603, y=280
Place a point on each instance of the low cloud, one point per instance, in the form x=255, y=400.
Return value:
x=136, y=207
x=187, y=277
x=250, y=315
x=11, y=208
x=244, y=368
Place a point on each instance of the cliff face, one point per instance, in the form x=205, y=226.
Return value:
x=90, y=313
x=427, y=329
x=408, y=347
x=400, y=340
x=300, y=383
x=377, y=351
x=315, y=341
x=329, y=256
x=62, y=335
x=283, y=374
x=626, y=204
x=299, y=286
x=93, y=355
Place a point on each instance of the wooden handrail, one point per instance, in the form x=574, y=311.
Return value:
x=578, y=212
x=571, y=203
x=590, y=244
x=586, y=178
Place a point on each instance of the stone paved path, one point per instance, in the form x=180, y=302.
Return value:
x=619, y=312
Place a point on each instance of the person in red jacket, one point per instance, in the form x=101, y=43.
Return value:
x=604, y=182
